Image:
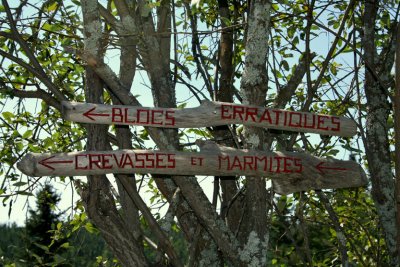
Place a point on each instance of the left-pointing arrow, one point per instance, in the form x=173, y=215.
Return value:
x=47, y=162
x=90, y=114
x=321, y=166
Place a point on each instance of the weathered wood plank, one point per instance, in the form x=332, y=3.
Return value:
x=294, y=171
x=210, y=114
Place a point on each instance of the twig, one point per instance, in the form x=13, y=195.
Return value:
x=340, y=234
x=36, y=65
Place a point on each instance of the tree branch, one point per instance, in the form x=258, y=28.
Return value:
x=325, y=64
x=286, y=92
x=39, y=94
x=340, y=234
x=36, y=65
x=196, y=51
x=224, y=238
x=163, y=240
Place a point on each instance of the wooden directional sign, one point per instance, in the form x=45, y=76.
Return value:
x=321, y=173
x=210, y=114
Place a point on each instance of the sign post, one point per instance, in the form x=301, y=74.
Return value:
x=210, y=114
x=319, y=173
x=290, y=171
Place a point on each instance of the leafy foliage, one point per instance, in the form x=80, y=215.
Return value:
x=81, y=249
x=315, y=63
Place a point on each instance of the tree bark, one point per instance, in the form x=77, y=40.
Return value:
x=254, y=233
x=230, y=207
x=97, y=198
x=397, y=138
x=377, y=143
x=155, y=54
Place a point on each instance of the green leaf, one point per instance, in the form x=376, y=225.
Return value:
x=89, y=227
x=144, y=135
x=189, y=58
x=290, y=32
x=27, y=134
x=45, y=248
x=7, y=116
x=52, y=7
x=65, y=245
x=285, y=65
x=226, y=21
x=51, y=27
x=18, y=184
x=99, y=259
x=182, y=106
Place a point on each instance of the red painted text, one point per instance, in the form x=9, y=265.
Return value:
x=124, y=161
x=280, y=117
x=143, y=116
x=273, y=164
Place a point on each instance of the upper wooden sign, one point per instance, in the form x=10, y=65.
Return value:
x=318, y=173
x=210, y=114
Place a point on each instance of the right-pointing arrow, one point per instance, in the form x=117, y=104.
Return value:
x=320, y=166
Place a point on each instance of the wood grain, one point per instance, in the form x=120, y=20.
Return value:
x=290, y=171
x=210, y=114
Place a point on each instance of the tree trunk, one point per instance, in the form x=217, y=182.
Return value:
x=98, y=199
x=254, y=232
x=377, y=142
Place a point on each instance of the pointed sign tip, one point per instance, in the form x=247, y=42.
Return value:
x=26, y=165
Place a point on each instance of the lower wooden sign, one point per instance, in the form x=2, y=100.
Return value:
x=286, y=166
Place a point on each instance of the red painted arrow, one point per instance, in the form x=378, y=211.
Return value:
x=320, y=167
x=46, y=162
x=89, y=114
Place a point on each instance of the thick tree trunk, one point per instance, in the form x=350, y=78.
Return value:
x=396, y=112
x=122, y=239
x=377, y=143
x=254, y=232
